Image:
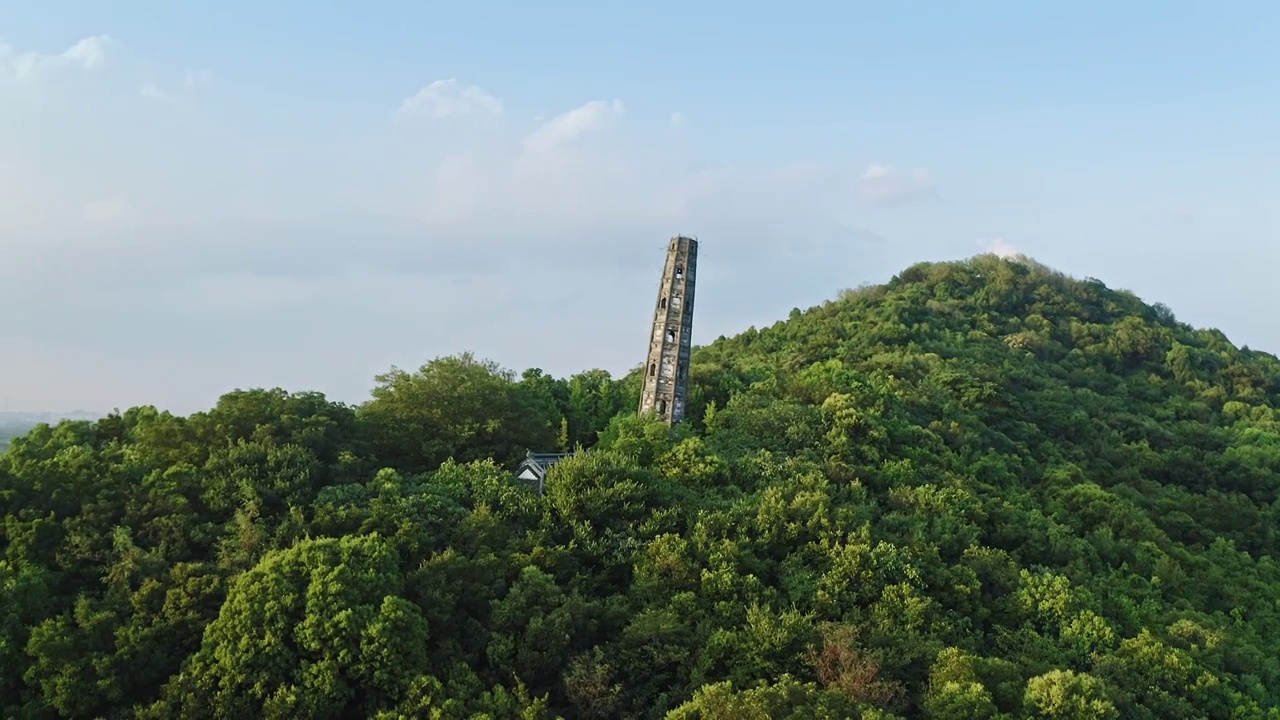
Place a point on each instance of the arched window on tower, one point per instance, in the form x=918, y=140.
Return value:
x=679, y=272
x=671, y=336
x=653, y=369
x=662, y=304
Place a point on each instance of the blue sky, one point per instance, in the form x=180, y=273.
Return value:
x=200, y=197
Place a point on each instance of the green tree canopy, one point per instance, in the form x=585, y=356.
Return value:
x=980, y=490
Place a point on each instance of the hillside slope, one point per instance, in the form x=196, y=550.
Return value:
x=981, y=490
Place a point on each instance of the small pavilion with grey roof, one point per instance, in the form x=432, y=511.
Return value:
x=533, y=469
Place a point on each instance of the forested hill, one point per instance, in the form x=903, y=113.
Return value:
x=982, y=490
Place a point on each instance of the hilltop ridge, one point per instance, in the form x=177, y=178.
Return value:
x=982, y=489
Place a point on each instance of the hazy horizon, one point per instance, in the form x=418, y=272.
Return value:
x=197, y=199
x=88, y=412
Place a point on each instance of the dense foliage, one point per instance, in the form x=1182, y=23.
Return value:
x=981, y=490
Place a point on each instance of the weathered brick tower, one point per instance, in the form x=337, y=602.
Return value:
x=666, y=373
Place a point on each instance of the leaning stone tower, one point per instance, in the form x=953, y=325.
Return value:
x=666, y=373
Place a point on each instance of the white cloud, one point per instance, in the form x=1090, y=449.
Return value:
x=446, y=98
x=999, y=248
x=88, y=54
x=562, y=129
x=884, y=185
x=678, y=119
